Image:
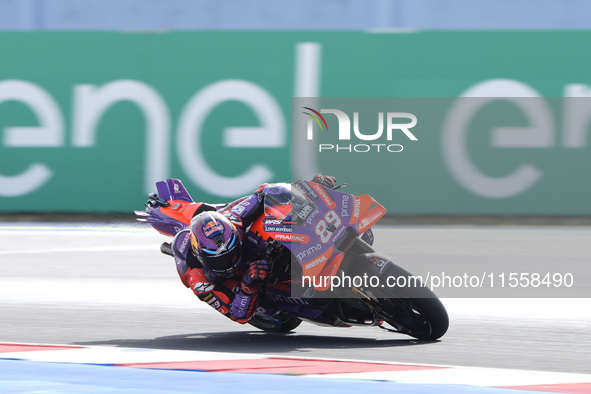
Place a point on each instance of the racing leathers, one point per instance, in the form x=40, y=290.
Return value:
x=234, y=296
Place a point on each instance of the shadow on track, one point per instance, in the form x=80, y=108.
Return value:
x=255, y=342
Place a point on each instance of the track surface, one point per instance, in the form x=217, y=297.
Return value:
x=111, y=287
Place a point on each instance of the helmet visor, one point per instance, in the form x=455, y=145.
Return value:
x=225, y=262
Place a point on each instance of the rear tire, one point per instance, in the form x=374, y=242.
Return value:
x=282, y=323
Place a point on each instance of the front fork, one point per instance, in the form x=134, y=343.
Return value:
x=379, y=313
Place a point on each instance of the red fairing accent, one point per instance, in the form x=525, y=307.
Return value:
x=260, y=189
x=192, y=208
x=183, y=213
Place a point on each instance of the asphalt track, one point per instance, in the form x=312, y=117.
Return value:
x=110, y=286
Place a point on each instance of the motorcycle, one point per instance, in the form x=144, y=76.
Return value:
x=313, y=236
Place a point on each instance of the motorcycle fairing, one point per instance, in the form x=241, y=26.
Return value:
x=176, y=189
x=171, y=219
x=370, y=211
x=292, y=217
x=280, y=296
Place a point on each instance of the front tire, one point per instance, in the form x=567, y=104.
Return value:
x=415, y=311
x=421, y=318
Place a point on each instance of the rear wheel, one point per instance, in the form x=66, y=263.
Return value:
x=281, y=323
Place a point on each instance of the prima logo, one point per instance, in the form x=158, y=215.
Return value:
x=392, y=123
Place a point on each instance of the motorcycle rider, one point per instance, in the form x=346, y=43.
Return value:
x=224, y=264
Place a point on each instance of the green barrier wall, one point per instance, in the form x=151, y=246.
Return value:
x=90, y=120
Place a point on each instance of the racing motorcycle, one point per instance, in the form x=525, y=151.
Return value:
x=313, y=235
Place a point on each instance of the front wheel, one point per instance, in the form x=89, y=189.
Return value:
x=415, y=310
x=422, y=318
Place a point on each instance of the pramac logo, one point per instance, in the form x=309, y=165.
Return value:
x=394, y=122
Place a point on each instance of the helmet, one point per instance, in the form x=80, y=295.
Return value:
x=216, y=242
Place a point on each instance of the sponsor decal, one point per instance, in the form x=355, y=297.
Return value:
x=310, y=191
x=183, y=244
x=203, y=287
x=357, y=208
x=339, y=233
x=315, y=262
x=318, y=264
x=207, y=297
x=238, y=209
x=299, y=187
x=243, y=306
x=381, y=263
x=211, y=227
x=273, y=221
x=277, y=229
x=301, y=238
x=325, y=197
x=305, y=211
x=345, y=205
x=311, y=216
x=311, y=250
x=281, y=299
x=214, y=302
x=217, y=305
x=248, y=290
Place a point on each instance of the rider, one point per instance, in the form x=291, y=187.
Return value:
x=222, y=266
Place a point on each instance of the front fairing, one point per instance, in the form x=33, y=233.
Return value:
x=310, y=219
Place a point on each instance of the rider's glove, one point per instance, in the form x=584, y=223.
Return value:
x=257, y=272
x=243, y=307
x=325, y=180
